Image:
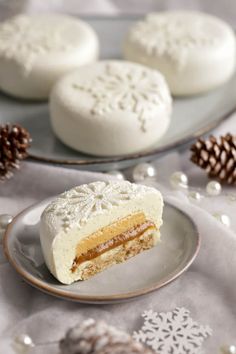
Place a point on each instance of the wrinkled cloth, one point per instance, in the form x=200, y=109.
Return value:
x=210, y=279
x=207, y=288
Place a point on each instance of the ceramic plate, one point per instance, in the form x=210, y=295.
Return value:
x=140, y=275
x=191, y=116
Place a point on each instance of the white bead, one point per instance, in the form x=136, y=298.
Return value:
x=5, y=220
x=179, y=179
x=223, y=218
x=119, y=175
x=22, y=343
x=213, y=188
x=195, y=195
x=144, y=171
x=231, y=349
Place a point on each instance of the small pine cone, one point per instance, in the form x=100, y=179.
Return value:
x=92, y=337
x=14, y=142
x=217, y=157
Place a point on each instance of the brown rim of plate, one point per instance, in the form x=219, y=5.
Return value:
x=41, y=285
x=151, y=154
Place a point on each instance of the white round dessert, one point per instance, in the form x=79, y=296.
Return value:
x=110, y=108
x=194, y=51
x=35, y=50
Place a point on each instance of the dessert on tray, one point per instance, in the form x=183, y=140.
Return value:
x=94, y=226
x=35, y=50
x=111, y=108
x=194, y=51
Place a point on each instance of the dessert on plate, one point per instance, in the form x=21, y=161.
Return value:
x=110, y=108
x=94, y=226
x=194, y=51
x=35, y=50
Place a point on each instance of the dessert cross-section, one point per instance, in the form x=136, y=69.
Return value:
x=94, y=226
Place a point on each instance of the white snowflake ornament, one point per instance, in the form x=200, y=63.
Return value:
x=172, y=332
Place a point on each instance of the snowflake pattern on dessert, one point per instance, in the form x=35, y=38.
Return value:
x=22, y=39
x=122, y=87
x=172, y=332
x=81, y=203
x=170, y=36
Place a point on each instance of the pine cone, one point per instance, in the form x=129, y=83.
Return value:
x=14, y=142
x=92, y=337
x=217, y=157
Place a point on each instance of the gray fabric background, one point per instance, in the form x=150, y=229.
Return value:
x=223, y=8
x=207, y=289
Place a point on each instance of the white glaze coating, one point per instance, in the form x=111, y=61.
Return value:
x=194, y=51
x=36, y=50
x=83, y=210
x=110, y=108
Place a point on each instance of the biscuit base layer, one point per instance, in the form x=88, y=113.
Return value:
x=119, y=254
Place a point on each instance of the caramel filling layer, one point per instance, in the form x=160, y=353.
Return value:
x=116, y=241
x=108, y=232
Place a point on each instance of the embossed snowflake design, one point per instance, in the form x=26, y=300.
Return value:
x=172, y=37
x=22, y=40
x=130, y=89
x=172, y=332
x=89, y=200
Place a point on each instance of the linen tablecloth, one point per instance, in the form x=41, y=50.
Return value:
x=209, y=281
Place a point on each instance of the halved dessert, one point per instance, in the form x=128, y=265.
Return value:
x=93, y=226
